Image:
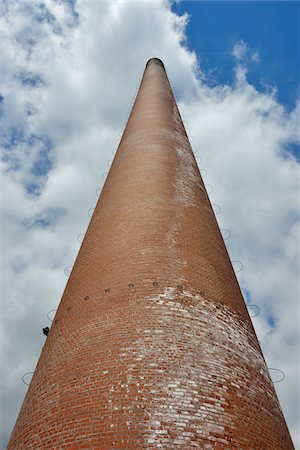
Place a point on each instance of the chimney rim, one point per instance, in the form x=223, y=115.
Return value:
x=155, y=60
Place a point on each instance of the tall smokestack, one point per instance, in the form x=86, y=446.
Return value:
x=152, y=345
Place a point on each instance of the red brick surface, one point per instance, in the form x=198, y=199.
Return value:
x=152, y=345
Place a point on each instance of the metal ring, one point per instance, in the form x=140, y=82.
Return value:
x=255, y=306
x=25, y=374
x=241, y=266
x=155, y=283
x=91, y=211
x=80, y=237
x=226, y=236
x=107, y=290
x=277, y=370
x=179, y=286
x=51, y=310
x=211, y=189
x=68, y=270
x=131, y=285
x=218, y=210
x=98, y=192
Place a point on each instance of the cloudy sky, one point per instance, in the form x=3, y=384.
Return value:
x=69, y=72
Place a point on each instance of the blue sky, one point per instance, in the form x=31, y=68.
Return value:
x=270, y=28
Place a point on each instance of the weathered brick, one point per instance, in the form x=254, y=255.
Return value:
x=152, y=345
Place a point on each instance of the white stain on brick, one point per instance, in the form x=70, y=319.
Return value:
x=187, y=180
x=192, y=399
x=196, y=357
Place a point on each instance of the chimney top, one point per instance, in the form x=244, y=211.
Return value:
x=155, y=61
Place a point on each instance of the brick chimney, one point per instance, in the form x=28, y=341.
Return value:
x=152, y=345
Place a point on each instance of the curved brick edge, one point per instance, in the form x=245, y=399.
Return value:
x=155, y=61
x=170, y=370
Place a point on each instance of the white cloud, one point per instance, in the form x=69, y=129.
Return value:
x=68, y=79
x=239, y=50
x=243, y=53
